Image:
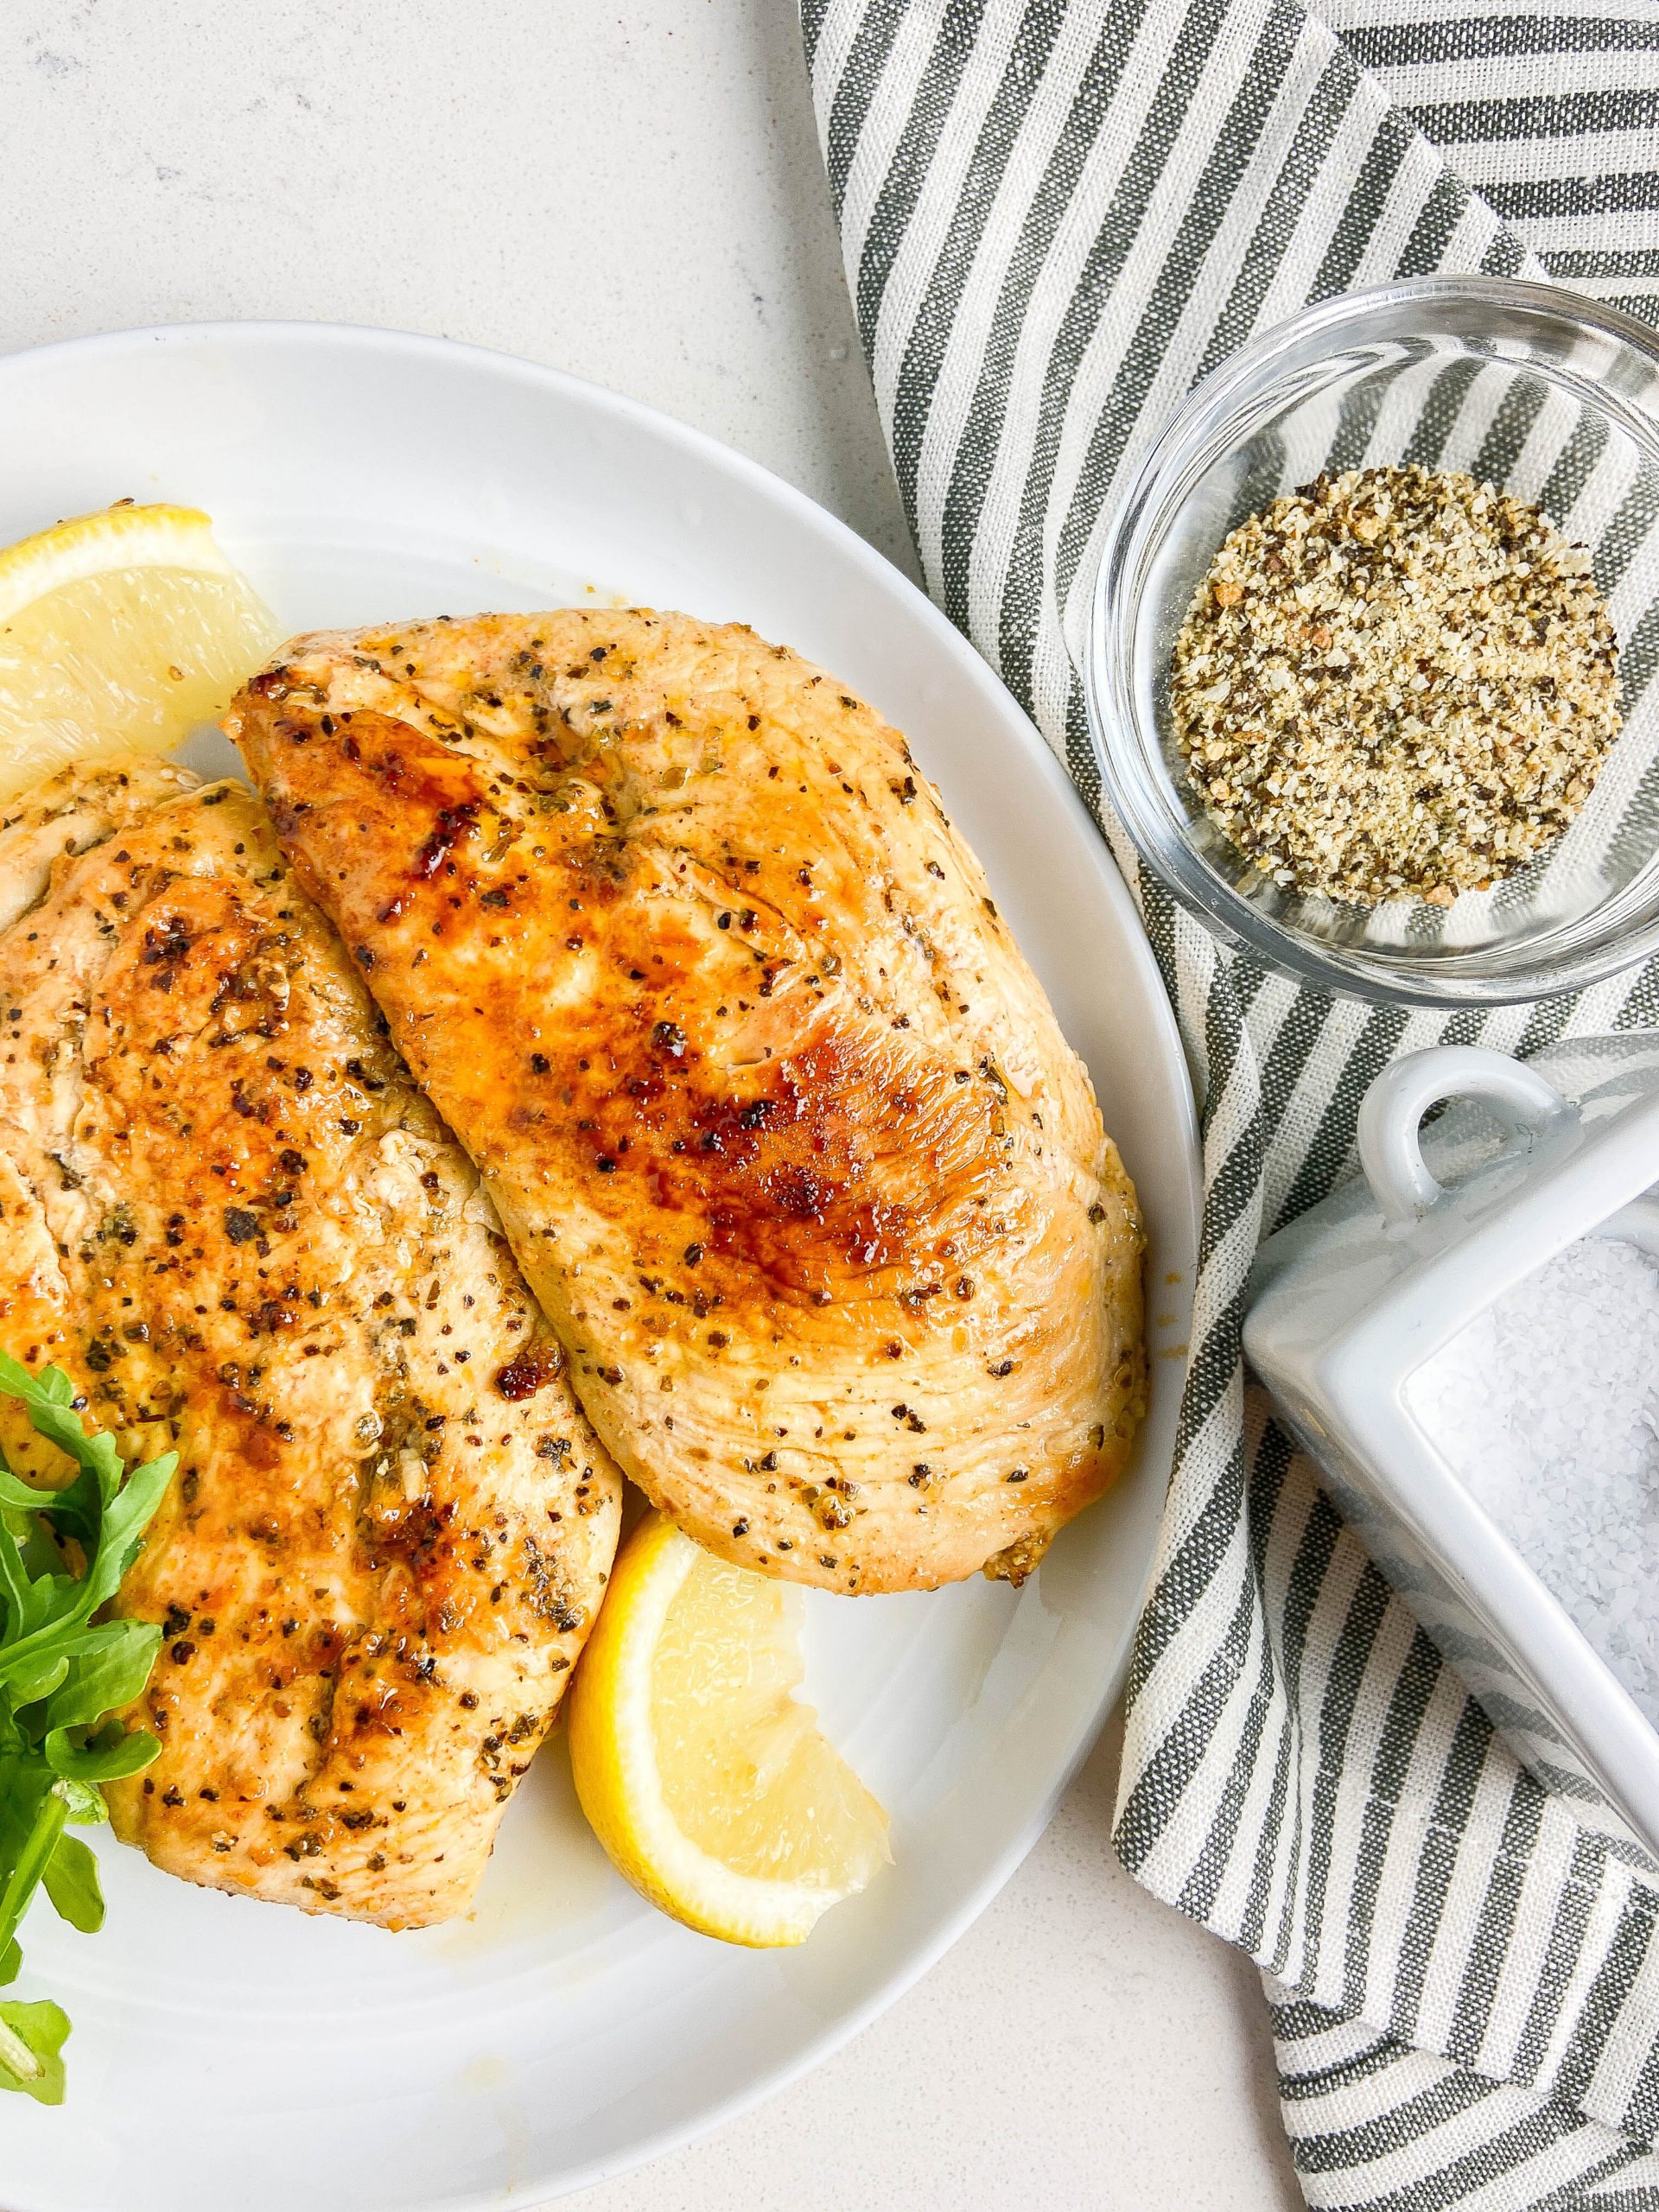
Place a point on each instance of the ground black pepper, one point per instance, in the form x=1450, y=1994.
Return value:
x=1397, y=683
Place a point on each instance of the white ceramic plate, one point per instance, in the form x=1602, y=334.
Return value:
x=231, y=2053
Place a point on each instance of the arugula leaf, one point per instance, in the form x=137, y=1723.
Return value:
x=111, y=1673
x=31, y=2050
x=82, y=1801
x=25, y=1782
x=72, y=1883
x=112, y=1752
x=61, y=1671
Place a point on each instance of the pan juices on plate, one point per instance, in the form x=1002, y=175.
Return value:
x=778, y=1123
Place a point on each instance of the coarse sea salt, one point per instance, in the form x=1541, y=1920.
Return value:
x=1547, y=1408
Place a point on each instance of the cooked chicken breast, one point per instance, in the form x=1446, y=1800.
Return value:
x=780, y=1123
x=234, y=1220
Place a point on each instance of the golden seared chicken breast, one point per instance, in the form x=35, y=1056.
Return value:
x=778, y=1123
x=228, y=1212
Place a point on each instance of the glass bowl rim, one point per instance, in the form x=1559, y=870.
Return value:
x=1136, y=514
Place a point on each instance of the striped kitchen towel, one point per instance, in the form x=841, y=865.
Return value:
x=1056, y=215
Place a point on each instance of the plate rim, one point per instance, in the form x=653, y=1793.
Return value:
x=1184, y=1142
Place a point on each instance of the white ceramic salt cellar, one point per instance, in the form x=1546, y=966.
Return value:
x=1353, y=1298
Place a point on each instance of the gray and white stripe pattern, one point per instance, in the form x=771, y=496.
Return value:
x=1549, y=109
x=1056, y=217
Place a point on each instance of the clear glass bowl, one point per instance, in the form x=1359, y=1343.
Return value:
x=1548, y=396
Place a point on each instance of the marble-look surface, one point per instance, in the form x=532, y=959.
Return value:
x=634, y=193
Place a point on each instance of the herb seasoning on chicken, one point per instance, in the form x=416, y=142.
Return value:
x=228, y=1213
x=1395, y=683
x=675, y=935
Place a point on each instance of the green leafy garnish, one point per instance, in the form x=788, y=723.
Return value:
x=60, y=1674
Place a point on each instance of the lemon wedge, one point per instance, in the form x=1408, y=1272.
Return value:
x=127, y=628
x=704, y=1777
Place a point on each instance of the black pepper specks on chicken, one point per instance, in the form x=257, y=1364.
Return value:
x=235, y=1220
x=803, y=1102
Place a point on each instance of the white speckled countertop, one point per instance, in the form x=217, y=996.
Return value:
x=634, y=193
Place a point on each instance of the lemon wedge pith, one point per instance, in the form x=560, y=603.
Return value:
x=703, y=1777
x=124, y=629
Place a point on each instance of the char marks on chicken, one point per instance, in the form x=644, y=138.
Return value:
x=228, y=1211
x=675, y=935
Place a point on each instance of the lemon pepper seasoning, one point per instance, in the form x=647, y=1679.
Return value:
x=1395, y=683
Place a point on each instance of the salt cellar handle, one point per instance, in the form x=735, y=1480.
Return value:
x=1390, y=1151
